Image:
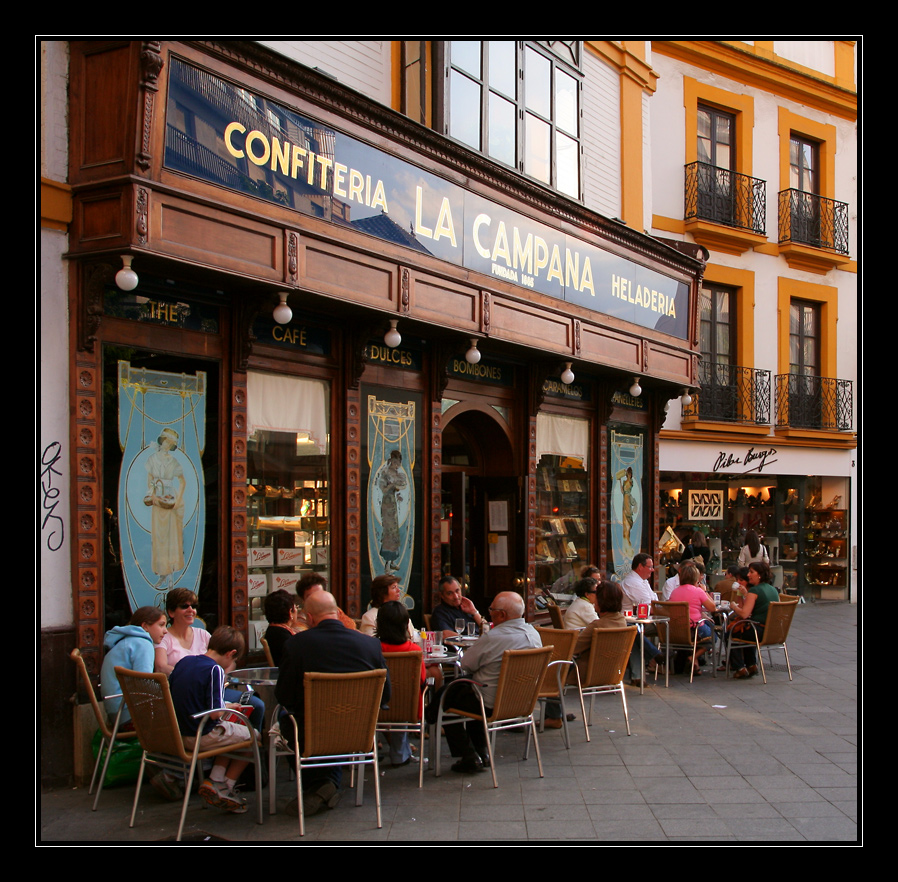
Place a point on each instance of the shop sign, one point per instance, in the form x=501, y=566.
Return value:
x=705, y=505
x=625, y=399
x=554, y=388
x=744, y=461
x=485, y=371
x=293, y=335
x=176, y=313
x=395, y=356
x=224, y=134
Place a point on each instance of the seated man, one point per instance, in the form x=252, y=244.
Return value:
x=197, y=684
x=454, y=606
x=482, y=663
x=326, y=647
x=308, y=585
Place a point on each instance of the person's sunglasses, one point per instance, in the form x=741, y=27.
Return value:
x=186, y=606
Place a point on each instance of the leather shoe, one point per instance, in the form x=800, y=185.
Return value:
x=553, y=723
x=741, y=674
x=752, y=670
x=467, y=766
x=327, y=796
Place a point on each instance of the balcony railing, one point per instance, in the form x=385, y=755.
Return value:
x=813, y=220
x=725, y=197
x=731, y=394
x=805, y=402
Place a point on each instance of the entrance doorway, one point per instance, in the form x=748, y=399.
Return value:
x=482, y=506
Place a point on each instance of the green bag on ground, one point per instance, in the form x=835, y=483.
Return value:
x=124, y=764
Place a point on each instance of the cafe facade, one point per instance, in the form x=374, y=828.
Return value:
x=307, y=333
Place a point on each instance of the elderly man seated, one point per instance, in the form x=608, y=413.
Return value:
x=454, y=605
x=482, y=663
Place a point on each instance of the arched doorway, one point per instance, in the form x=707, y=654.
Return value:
x=482, y=503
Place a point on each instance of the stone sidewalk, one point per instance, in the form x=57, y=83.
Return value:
x=717, y=761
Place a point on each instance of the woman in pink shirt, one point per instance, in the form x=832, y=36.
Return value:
x=698, y=599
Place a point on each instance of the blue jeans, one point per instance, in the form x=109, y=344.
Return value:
x=255, y=709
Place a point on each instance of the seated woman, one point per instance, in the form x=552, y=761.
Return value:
x=383, y=589
x=758, y=594
x=583, y=610
x=610, y=602
x=130, y=646
x=281, y=610
x=698, y=599
x=392, y=630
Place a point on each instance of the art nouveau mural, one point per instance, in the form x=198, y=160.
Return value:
x=161, y=493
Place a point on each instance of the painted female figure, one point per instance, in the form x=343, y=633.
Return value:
x=390, y=482
x=166, y=485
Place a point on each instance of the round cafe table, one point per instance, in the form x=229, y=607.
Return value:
x=640, y=625
x=261, y=681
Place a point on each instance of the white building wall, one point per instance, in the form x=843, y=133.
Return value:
x=668, y=179
x=363, y=65
x=601, y=136
x=53, y=323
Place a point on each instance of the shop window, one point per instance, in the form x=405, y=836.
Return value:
x=288, y=483
x=519, y=103
x=562, y=488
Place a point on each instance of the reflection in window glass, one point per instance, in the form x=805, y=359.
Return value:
x=566, y=111
x=567, y=152
x=538, y=83
x=502, y=130
x=537, y=161
x=466, y=55
x=464, y=110
x=503, y=68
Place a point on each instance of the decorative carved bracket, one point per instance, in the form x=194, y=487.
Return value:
x=151, y=65
x=97, y=277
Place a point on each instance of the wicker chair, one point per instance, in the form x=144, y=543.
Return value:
x=679, y=632
x=404, y=713
x=561, y=665
x=556, y=614
x=109, y=735
x=520, y=679
x=609, y=652
x=149, y=701
x=341, y=713
x=776, y=630
x=268, y=656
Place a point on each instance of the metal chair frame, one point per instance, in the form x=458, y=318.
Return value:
x=404, y=713
x=517, y=692
x=776, y=631
x=156, y=725
x=607, y=665
x=562, y=663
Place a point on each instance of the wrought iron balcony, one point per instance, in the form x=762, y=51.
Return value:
x=725, y=197
x=806, y=402
x=731, y=394
x=807, y=219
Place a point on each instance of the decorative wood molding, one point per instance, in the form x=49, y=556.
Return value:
x=96, y=277
x=353, y=519
x=404, y=300
x=239, y=600
x=142, y=205
x=151, y=64
x=293, y=257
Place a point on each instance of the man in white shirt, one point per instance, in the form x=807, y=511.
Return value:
x=636, y=585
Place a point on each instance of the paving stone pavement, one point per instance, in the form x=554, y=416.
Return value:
x=713, y=761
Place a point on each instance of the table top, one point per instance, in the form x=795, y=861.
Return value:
x=255, y=676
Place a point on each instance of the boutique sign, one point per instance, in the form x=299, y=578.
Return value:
x=234, y=138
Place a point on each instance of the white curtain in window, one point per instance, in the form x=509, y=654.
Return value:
x=562, y=436
x=287, y=404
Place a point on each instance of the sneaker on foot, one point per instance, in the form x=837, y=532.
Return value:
x=213, y=793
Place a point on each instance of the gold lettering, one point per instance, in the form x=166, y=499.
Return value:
x=555, y=266
x=542, y=254
x=380, y=199
x=297, y=163
x=586, y=279
x=420, y=229
x=280, y=155
x=523, y=255
x=500, y=246
x=356, y=185
x=479, y=221
x=325, y=164
x=251, y=138
x=339, y=173
x=310, y=168
x=445, y=227
x=231, y=128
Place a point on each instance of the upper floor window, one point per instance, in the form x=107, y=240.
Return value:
x=803, y=164
x=519, y=103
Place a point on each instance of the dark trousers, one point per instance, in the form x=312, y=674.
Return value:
x=464, y=739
